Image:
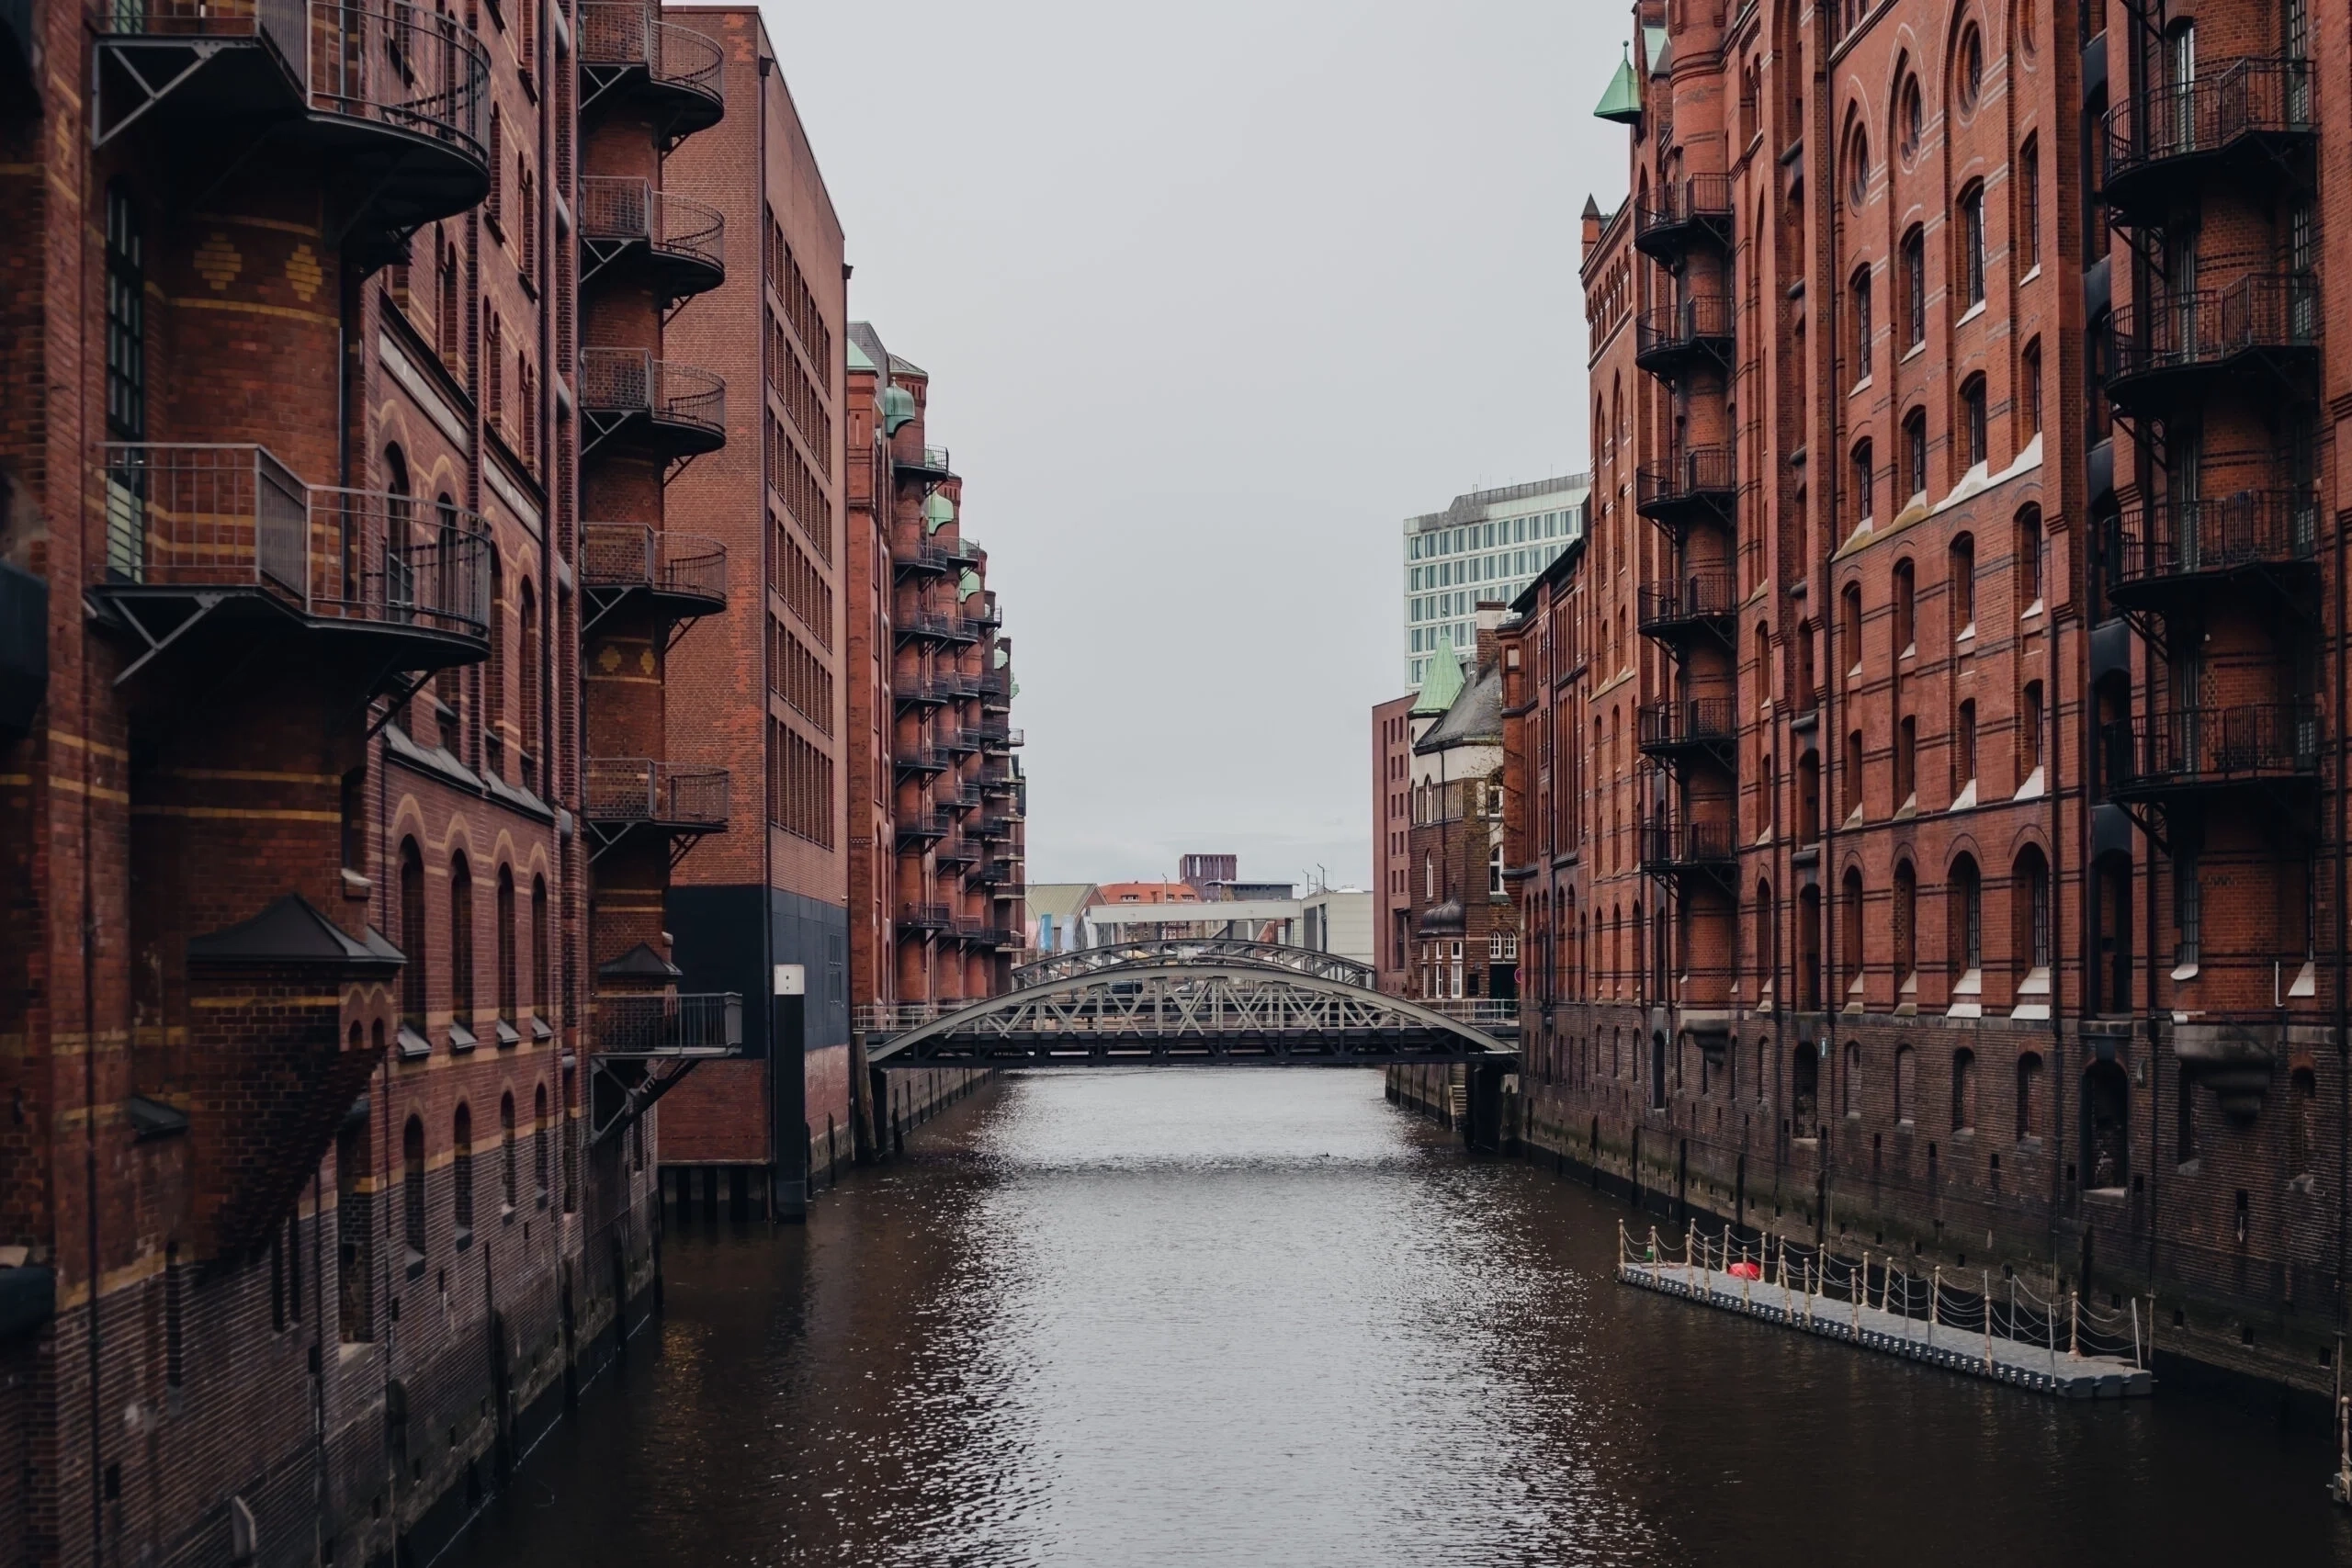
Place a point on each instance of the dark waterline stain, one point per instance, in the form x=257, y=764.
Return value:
x=1263, y=1319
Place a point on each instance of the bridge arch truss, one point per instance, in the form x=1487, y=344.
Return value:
x=1195, y=950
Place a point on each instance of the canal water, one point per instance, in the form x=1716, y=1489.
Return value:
x=1264, y=1319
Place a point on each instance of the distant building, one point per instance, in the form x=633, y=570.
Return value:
x=1392, y=851
x=1057, y=917
x=1489, y=544
x=1199, y=869
x=1339, y=920
x=1465, y=940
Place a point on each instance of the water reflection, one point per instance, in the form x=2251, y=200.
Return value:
x=1260, y=1318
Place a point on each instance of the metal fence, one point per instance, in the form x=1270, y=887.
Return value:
x=2205, y=326
x=669, y=1023
x=2225, y=104
x=234, y=516
x=1701, y=470
x=2181, y=538
x=1698, y=198
x=2212, y=745
x=630, y=555
x=1694, y=721
x=640, y=789
x=1699, y=595
x=630, y=381
x=626, y=35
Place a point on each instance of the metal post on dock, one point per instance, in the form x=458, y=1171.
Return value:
x=2074, y=1326
x=1988, y=1322
x=1654, y=1258
x=1860, y=1291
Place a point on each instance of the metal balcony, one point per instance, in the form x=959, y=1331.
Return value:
x=389, y=98
x=994, y=828
x=669, y=1023
x=1673, y=341
x=1698, y=485
x=1696, y=727
x=925, y=559
x=626, y=55
x=626, y=227
x=924, y=625
x=2166, y=557
x=922, y=692
x=955, y=851
x=2169, y=351
x=923, y=828
x=929, y=465
x=675, y=576
x=994, y=872
x=208, y=546
x=1701, y=604
x=996, y=691
x=2246, y=121
x=1683, y=213
x=962, y=630
x=919, y=758
x=960, y=683
x=1680, y=849
x=2192, y=751
x=678, y=411
x=927, y=918
x=625, y=794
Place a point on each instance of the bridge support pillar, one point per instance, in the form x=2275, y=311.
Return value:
x=1483, y=1128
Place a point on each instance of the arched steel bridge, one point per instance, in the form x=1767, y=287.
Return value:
x=1207, y=1011
x=1193, y=950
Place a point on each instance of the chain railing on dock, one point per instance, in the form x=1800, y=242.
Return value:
x=1931, y=1303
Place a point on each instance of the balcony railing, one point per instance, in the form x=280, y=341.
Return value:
x=957, y=743
x=921, y=690
x=1680, y=211
x=2253, y=105
x=670, y=1023
x=923, y=624
x=925, y=559
x=2207, y=747
x=1672, y=337
x=1693, y=722
x=234, y=517
x=405, y=67
x=1702, y=477
x=616, y=212
x=926, y=917
x=2181, y=541
x=635, y=554
x=2205, y=328
x=930, y=462
x=641, y=790
x=1669, y=845
x=924, y=827
x=919, y=757
x=619, y=383
x=618, y=39
x=1699, y=598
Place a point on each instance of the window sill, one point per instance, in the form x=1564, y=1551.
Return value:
x=2031, y=273
x=1970, y=314
x=460, y=1037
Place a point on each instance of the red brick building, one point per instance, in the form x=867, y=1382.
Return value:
x=332, y=887
x=1463, y=938
x=756, y=692
x=936, y=874
x=1926, y=780
x=1392, y=856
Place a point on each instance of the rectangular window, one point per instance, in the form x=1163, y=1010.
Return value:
x=1915, y=452
x=802, y=788
x=804, y=588
x=2030, y=204
x=2187, y=911
x=1915, y=289
x=800, y=677
x=1972, y=244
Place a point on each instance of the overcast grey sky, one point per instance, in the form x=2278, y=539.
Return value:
x=1213, y=297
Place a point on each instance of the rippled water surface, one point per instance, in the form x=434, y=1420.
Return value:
x=1263, y=1318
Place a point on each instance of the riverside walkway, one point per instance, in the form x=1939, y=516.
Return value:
x=2063, y=1348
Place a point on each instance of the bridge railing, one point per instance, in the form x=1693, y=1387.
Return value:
x=1480, y=1012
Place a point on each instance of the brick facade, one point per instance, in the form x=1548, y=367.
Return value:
x=1924, y=799
x=1392, y=860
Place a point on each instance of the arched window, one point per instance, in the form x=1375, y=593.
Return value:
x=461, y=1173
x=2028, y=180
x=1915, y=453
x=413, y=973
x=1906, y=930
x=1963, y=752
x=2030, y=390
x=1858, y=173
x=2028, y=560
x=534, y=745
x=1969, y=263
x=1910, y=119
x=508, y=1176
x=2028, y=1095
x=1808, y=797
x=508, y=981
x=1906, y=1086
x=1767, y=939
x=1906, y=607
x=1853, y=779
x=1962, y=574
x=461, y=952
x=1850, y=938
x=1975, y=432
x=1969, y=86
x=1911, y=298
x=2029, y=894
x=412, y=1191
x=1964, y=1090
x=1850, y=628
x=542, y=974
x=1865, y=470
x=539, y=1145
x=1966, y=917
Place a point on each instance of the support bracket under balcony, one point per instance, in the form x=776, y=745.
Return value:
x=122, y=611
x=146, y=71
x=621, y=1089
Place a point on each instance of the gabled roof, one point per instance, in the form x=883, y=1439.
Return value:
x=292, y=931
x=639, y=963
x=1474, y=717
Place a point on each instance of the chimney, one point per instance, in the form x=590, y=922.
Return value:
x=1591, y=225
x=1490, y=616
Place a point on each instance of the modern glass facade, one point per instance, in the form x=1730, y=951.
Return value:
x=1488, y=544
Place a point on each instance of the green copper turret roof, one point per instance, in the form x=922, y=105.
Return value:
x=897, y=407
x=937, y=512
x=1623, y=101
x=1443, y=684
x=967, y=584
